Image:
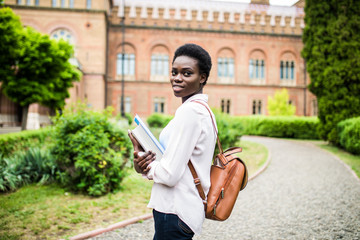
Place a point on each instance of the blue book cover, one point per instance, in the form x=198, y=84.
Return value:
x=146, y=139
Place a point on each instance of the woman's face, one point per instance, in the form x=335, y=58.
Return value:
x=185, y=78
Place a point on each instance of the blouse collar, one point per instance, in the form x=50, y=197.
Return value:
x=199, y=96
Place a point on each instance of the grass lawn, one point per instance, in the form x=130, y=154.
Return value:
x=353, y=161
x=49, y=212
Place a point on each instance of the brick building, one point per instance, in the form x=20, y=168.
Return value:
x=127, y=47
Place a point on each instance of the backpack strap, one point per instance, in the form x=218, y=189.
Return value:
x=191, y=166
x=198, y=183
x=213, y=122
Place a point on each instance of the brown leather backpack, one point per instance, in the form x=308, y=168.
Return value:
x=228, y=177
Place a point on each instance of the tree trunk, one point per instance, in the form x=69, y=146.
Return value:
x=25, y=111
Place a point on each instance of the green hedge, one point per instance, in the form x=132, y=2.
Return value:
x=19, y=141
x=284, y=127
x=349, y=134
x=157, y=120
x=228, y=134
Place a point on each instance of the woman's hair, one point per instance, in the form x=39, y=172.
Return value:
x=198, y=53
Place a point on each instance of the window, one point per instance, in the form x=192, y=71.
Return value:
x=257, y=69
x=71, y=3
x=159, y=65
x=225, y=105
x=28, y=2
x=314, y=107
x=88, y=4
x=64, y=34
x=159, y=105
x=128, y=64
x=37, y=2
x=256, y=107
x=226, y=67
x=18, y=2
x=127, y=104
x=53, y=3
x=287, y=70
x=62, y=3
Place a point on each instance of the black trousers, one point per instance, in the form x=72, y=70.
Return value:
x=170, y=227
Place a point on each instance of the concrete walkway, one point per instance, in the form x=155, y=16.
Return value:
x=305, y=193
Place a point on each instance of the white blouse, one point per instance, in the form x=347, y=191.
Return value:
x=190, y=135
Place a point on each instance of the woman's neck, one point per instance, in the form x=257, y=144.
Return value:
x=187, y=97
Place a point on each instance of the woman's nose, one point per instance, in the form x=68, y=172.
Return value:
x=177, y=77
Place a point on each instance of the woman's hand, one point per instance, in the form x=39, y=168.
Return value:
x=141, y=160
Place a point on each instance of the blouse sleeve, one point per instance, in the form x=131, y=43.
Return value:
x=182, y=142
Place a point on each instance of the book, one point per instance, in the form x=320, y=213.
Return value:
x=146, y=139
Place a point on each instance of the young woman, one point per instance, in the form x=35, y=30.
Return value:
x=177, y=207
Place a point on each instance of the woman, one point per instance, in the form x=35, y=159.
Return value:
x=177, y=207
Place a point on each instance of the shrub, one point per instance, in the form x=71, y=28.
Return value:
x=349, y=134
x=280, y=126
x=90, y=151
x=128, y=117
x=229, y=131
x=21, y=141
x=157, y=120
x=30, y=166
x=279, y=104
x=331, y=50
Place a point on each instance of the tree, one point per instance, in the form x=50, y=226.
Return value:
x=332, y=52
x=279, y=105
x=10, y=45
x=43, y=73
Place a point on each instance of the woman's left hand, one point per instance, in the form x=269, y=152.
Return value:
x=141, y=161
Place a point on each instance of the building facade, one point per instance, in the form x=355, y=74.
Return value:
x=125, y=48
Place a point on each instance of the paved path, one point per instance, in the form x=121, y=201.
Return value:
x=305, y=193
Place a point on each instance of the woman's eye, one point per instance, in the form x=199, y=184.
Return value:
x=173, y=73
x=187, y=74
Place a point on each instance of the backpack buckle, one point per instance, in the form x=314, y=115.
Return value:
x=197, y=181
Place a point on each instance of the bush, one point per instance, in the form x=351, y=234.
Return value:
x=128, y=117
x=284, y=127
x=157, y=120
x=30, y=166
x=349, y=134
x=229, y=131
x=90, y=151
x=21, y=141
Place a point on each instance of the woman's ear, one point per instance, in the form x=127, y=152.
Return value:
x=202, y=78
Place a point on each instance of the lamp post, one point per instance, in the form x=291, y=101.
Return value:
x=122, y=59
x=305, y=83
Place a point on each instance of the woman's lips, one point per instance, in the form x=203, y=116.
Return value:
x=177, y=88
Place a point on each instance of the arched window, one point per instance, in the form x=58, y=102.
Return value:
x=257, y=67
x=159, y=68
x=126, y=64
x=62, y=33
x=226, y=66
x=287, y=69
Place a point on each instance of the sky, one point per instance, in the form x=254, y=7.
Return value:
x=272, y=2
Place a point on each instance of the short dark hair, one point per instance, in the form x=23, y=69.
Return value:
x=198, y=53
